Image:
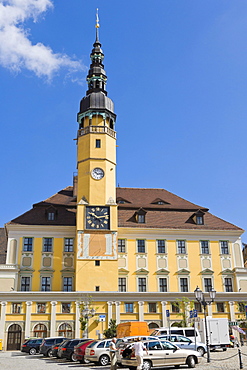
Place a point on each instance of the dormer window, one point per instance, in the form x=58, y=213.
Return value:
x=160, y=202
x=141, y=219
x=199, y=220
x=51, y=216
x=51, y=213
x=140, y=216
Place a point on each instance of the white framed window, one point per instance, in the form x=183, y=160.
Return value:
x=163, y=284
x=204, y=244
x=45, y=283
x=208, y=285
x=224, y=247
x=142, y=284
x=122, y=284
x=161, y=246
x=27, y=244
x=141, y=246
x=184, y=284
x=25, y=283
x=121, y=246
x=181, y=246
x=68, y=245
x=47, y=244
x=67, y=283
x=228, y=284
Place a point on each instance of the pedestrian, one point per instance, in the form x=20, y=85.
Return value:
x=113, y=355
x=138, y=348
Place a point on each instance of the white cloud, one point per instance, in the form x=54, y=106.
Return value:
x=16, y=50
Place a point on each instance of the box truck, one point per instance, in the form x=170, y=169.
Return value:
x=132, y=328
x=218, y=332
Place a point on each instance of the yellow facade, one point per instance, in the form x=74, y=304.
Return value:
x=62, y=257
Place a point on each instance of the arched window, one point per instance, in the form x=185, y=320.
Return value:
x=153, y=325
x=65, y=330
x=40, y=330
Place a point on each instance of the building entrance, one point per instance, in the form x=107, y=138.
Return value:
x=14, y=338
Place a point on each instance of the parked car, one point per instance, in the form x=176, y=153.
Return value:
x=186, y=343
x=174, y=330
x=31, y=346
x=122, y=343
x=98, y=351
x=66, y=350
x=55, y=347
x=162, y=353
x=79, y=351
x=47, y=343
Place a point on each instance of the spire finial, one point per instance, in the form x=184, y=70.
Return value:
x=97, y=24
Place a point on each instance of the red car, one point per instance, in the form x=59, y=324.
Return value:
x=79, y=351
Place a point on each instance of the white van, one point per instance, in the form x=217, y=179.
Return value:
x=186, y=332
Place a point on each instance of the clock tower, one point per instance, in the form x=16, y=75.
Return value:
x=96, y=191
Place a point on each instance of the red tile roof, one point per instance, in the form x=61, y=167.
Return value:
x=175, y=213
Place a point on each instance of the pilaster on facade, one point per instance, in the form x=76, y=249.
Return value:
x=109, y=316
x=28, y=319
x=164, y=316
x=210, y=310
x=77, y=319
x=2, y=320
x=232, y=311
x=141, y=310
x=53, y=318
x=117, y=304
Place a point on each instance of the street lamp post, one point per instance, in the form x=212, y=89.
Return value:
x=87, y=313
x=201, y=299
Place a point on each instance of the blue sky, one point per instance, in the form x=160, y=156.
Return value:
x=176, y=72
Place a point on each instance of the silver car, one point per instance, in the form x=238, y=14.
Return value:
x=124, y=342
x=186, y=343
x=163, y=353
x=99, y=352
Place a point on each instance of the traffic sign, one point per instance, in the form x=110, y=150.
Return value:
x=195, y=313
x=191, y=314
x=102, y=317
x=167, y=313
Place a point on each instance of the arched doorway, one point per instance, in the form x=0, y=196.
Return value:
x=14, y=337
x=65, y=330
x=40, y=331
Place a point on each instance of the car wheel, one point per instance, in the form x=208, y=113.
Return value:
x=49, y=353
x=73, y=358
x=32, y=351
x=104, y=360
x=176, y=366
x=191, y=361
x=146, y=365
x=132, y=367
x=201, y=351
x=224, y=349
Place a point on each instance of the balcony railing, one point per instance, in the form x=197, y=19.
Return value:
x=97, y=130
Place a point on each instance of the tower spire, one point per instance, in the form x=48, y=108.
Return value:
x=97, y=26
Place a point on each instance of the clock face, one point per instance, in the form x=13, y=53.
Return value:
x=98, y=218
x=97, y=173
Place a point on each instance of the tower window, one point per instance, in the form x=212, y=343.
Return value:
x=98, y=143
x=97, y=288
x=97, y=263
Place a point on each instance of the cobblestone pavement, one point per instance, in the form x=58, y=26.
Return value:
x=17, y=360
